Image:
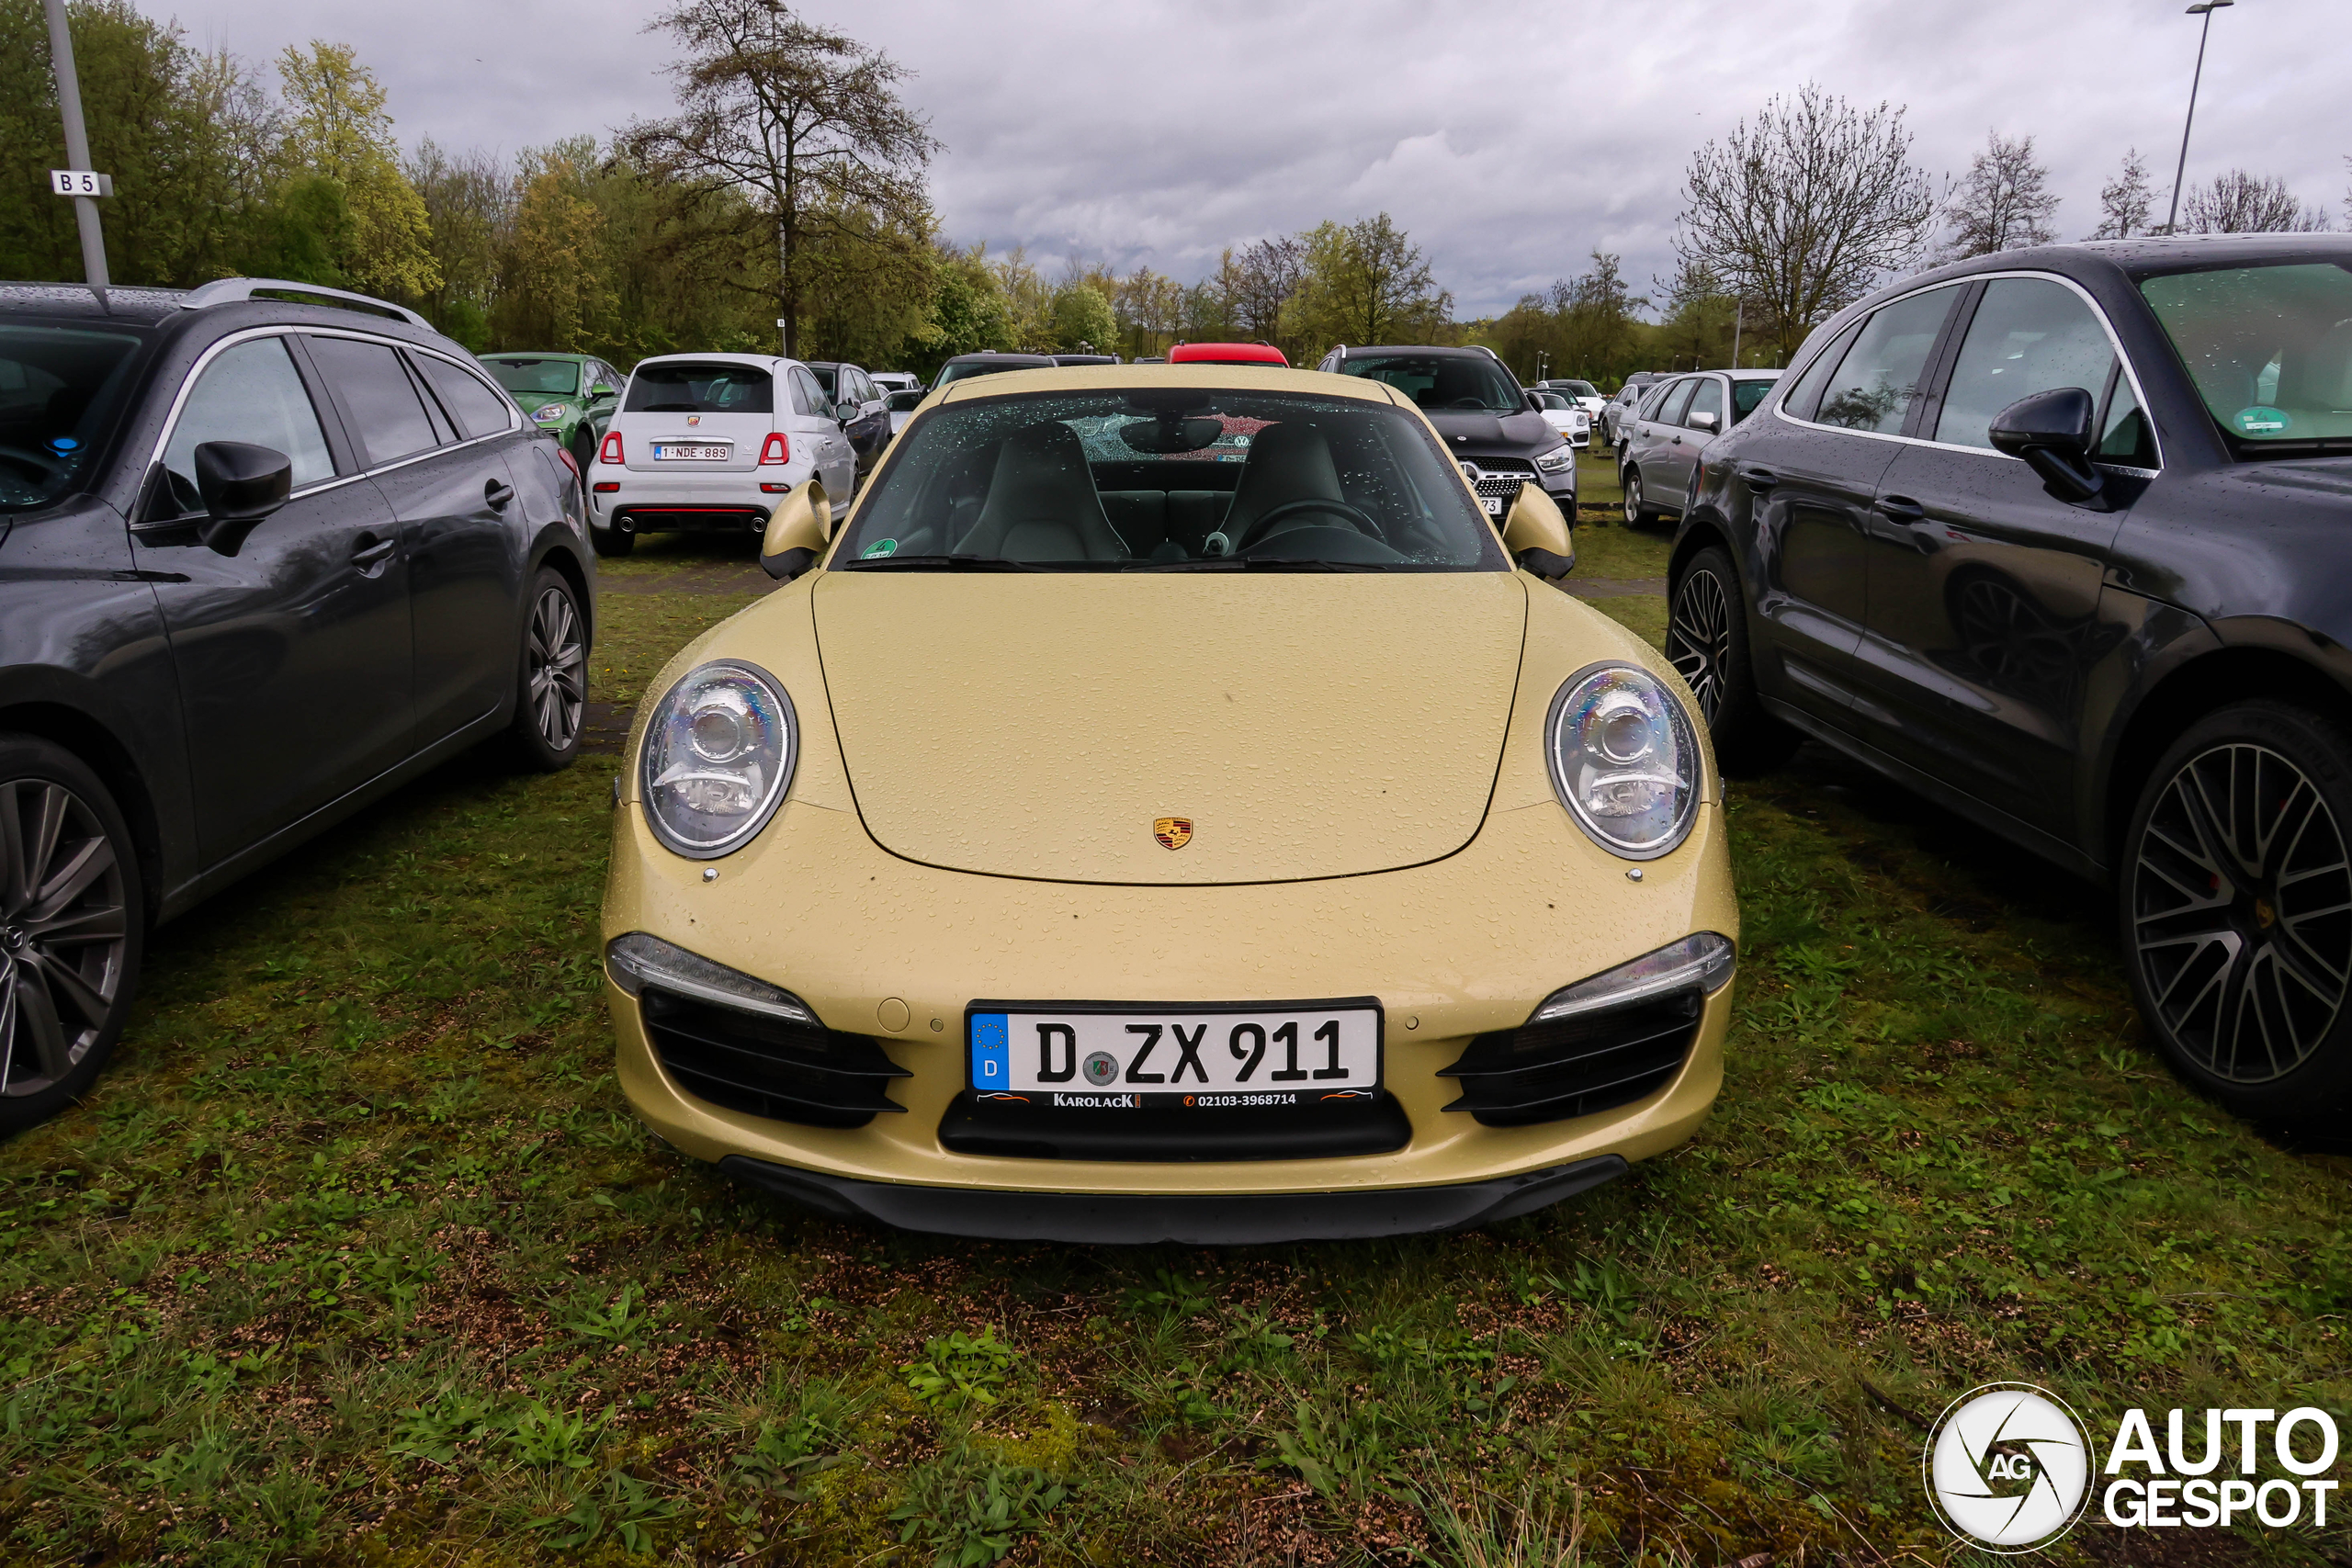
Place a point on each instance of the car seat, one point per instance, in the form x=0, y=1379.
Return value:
x=1041, y=503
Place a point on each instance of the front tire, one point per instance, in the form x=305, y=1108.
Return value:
x=2235, y=907
x=72, y=928
x=552, y=697
x=1706, y=637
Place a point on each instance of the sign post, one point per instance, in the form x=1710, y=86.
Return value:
x=68, y=182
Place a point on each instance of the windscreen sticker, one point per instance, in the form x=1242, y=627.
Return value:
x=879, y=548
x=2261, y=420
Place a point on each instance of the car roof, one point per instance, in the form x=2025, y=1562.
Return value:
x=534, y=353
x=988, y=355
x=765, y=361
x=1102, y=377
x=1445, y=350
x=144, y=307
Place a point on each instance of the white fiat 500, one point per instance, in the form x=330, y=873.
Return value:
x=712, y=442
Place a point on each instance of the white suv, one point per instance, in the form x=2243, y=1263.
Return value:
x=712, y=442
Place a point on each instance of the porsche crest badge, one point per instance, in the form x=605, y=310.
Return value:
x=1173, y=833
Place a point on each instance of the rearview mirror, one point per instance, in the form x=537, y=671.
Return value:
x=799, y=530
x=2051, y=432
x=1167, y=435
x=240, y=484
x=1537, y=534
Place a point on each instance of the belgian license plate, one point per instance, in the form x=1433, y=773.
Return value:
x=704, y=452
x=1126, y=1056
x=1494, y=505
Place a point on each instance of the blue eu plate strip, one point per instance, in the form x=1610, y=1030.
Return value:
x=992, y=1053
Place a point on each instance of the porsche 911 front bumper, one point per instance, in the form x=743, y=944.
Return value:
x=891, y=951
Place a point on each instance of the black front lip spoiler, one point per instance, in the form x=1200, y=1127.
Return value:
x=1190, y=1219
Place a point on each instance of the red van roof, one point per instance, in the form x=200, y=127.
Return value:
x=1226, y=353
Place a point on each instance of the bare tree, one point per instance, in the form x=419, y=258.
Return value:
x=1802, y=211
x=2244, y=203
x=2125, y=201
x=806, y=123
x=2002, y=203
x=1264, y=278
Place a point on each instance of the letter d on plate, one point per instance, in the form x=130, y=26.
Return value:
x=991, y=1054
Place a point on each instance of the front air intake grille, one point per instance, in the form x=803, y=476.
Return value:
x=1549, y=1072
x=769, y=1066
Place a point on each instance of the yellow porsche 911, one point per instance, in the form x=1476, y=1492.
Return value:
x=1172, y=807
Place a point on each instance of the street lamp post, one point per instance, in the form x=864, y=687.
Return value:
x=2204, y=8
x=78, y=144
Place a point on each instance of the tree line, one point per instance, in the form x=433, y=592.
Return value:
x=786, y=200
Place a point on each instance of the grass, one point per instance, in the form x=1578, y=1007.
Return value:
x=358, y=1257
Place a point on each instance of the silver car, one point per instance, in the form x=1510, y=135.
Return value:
x=1669, y=430
x=1618, y=411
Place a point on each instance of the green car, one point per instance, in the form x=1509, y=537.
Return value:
x=571, y=395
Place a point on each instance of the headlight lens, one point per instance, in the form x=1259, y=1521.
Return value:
x=718, y=754
x=1703, y=960
x=1557, y=459
x=549, y=413
x=1625, y=759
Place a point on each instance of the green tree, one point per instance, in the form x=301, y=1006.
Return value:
x=1083, y=322
x=968, y=310
x=337, y=126
x=553, y=292
x=805, y=123
x=1366, y=282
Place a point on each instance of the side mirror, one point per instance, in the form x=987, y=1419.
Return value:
x=240, y=484
x=799, y=530
x=1702, y=422
x=1534, y=402
x=2051, y=432
x=602, y=390
x=845, y=413
x=1538, y=535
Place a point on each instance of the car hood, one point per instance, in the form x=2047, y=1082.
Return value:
x=1039, y=726
x=1487, y=432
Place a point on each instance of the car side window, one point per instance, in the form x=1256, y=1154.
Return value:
x=808, y=396
x=2030, y=334
x=2125, y=435
x=250, y=392
x=476, y=410
x=1654, y=400
x=388, y=418
x=1874, y=385
x=1707, y=398
x=1677, y=401
x=1806, y=394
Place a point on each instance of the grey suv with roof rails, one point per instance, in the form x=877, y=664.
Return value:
x=261, y=561
x=1493, y=428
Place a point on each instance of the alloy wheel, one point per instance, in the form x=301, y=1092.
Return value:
x=1697, y=639
x=1633, y=487
x=559, y=688
x=2242, y=913
x=65, y=933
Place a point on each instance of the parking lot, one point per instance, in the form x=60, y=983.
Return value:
x=357, y=1255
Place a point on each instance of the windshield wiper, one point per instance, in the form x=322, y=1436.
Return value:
x=1254, y=563
x=943, y=563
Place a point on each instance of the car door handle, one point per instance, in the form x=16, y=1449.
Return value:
x=1677, y=441
x=498, y=495
x=368, y=551
x=1758, y=479
x=1901, y=508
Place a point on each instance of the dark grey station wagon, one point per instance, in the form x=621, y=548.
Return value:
x=262, y=560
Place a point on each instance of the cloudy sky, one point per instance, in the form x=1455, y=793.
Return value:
x=1510, y=137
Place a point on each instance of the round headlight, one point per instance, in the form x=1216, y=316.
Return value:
x=1625, y=759
x=718, y=753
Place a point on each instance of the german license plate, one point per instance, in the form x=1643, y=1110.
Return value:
x=1127, y=1056
x=1494, y=505
x=703, y=452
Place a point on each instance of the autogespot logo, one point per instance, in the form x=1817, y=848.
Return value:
x=2008, y=1467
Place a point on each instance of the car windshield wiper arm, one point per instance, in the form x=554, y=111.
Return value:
x=943, y=563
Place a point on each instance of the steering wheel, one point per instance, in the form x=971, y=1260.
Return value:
x=1259, y=529
x=40, y=462
x=1478, y=403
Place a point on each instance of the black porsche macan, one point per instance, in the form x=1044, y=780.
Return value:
x=2061, y=538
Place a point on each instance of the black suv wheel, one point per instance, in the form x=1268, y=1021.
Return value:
x=554, y=693
x=1706, y=637
x=70, y=928
x=2237, y=909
